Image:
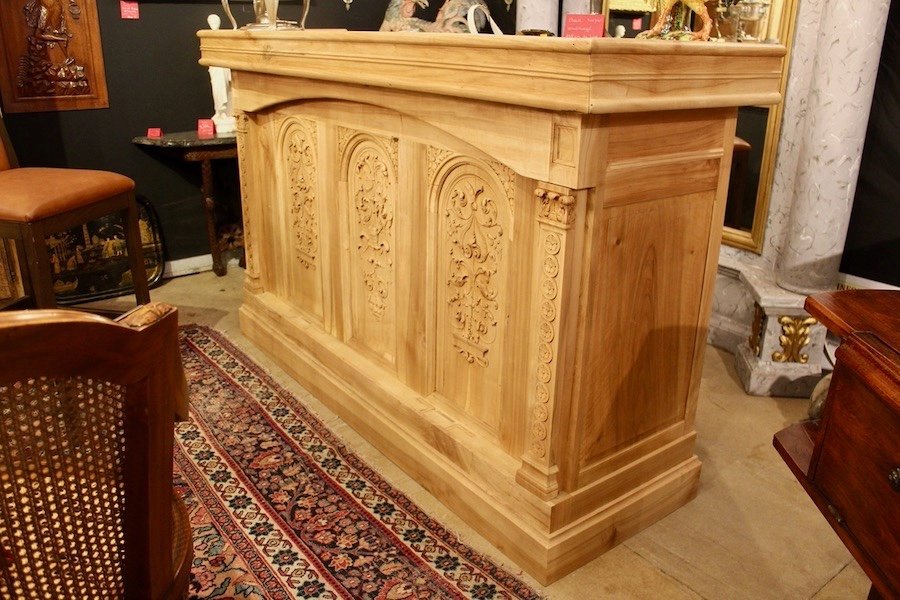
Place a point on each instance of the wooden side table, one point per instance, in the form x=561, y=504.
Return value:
x=204, y=151
x=848, y=462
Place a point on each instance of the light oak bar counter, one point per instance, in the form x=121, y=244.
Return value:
x=494, y=258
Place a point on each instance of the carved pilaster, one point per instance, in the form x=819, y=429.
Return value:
x=554, y=252
x=251, y=272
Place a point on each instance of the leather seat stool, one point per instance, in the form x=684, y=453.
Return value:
x=37, y=202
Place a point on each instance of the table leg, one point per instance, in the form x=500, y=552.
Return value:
x=209, y=207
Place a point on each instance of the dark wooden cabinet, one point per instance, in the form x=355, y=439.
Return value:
x=849, y=461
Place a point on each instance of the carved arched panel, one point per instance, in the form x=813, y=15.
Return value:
x=298, y=191
x=369, y=167
x=474, y=233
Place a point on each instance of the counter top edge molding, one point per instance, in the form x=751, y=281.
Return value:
x=578, y=75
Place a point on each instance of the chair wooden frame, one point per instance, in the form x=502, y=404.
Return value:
x=138, y=351
x=31, y=248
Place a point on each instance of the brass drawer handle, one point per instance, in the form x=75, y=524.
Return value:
x=894, y=479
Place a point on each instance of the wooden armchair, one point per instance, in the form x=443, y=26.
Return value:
x=87, y=409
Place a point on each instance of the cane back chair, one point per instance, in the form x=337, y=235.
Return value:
x=87, y=411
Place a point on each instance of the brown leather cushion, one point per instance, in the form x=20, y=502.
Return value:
x=32, y=194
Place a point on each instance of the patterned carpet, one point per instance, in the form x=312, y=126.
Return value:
x=280, y=508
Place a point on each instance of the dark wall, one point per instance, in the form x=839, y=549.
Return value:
x=872, y=249
x=154, y=81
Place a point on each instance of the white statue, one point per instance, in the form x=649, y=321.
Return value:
x=220, y=79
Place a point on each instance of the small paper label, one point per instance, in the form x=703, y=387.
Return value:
x=154, y=132
x=578, y=25
x=129, y=9
x=637, y=23
x=206, y=128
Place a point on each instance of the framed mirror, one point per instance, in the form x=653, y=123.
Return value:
x=758, y=127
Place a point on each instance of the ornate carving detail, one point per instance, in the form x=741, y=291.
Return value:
x=548, y=311
x=436, y=157
x=300, y=152
x=794, y=336
x=759, y=316
x=371, y=182
x=474, y=233
x=556, y=208
x=242, y=122
x=393, y=147
x=507, y=179
x=344, y=135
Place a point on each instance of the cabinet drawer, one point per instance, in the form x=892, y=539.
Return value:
x=859, y=450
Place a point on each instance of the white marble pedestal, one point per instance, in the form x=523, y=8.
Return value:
x=784, y=353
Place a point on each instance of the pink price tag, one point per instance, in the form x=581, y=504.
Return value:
x=154, y=132
x=637, y=23
x=129, y=9
x=206, y=129
x=578, y=25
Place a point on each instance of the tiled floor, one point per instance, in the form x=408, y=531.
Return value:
x=751, y=532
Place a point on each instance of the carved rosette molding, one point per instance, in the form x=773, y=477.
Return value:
x=548, y=332
x=475, y=251
x=242, y=123
x=794, y=337
x=759, y=317
x=556, y=215
x=555, y=207
x=299, y=152
x=372, y=188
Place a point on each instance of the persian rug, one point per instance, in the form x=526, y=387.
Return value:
x=281, y=508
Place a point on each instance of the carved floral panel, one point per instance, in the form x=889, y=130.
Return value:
x=371, y=183
x=299, y=152
x=475, y=236
x=51, y=57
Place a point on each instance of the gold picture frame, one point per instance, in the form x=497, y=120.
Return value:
x=51, y=57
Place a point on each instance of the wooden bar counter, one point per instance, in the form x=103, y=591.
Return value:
x=494, y=258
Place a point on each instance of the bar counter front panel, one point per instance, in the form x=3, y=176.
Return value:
x=505, y=288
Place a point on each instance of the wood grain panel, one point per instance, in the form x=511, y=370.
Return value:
x=675, y=131
x=645, y=324
x=628, y=182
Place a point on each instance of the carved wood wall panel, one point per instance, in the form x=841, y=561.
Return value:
x=474, y=229
x=51, y=58
x=369, y=166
